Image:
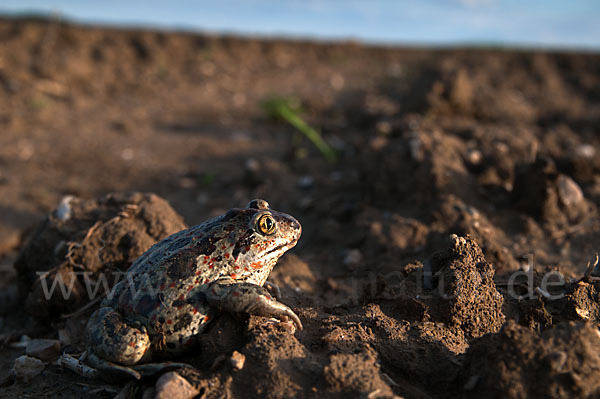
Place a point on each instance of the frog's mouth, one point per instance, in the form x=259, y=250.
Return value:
x=283, y=247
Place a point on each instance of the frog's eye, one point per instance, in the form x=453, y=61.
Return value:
x=266, y=224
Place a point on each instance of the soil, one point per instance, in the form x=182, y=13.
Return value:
x=444, y=253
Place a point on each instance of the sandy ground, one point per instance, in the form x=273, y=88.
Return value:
x=498, y=147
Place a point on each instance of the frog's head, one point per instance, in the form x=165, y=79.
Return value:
x=261, y=236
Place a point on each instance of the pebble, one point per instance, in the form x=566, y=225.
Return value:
x=172, y=386
x=63, y=211
x=474, y=157
x=26, y=368
x=569, y=192
x=353, y=257
x=237, y=360
x=43, y=349
x=585, y=151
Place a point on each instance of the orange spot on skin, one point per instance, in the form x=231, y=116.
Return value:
x=236, y=267
x=210, y=265
x=256, y=265
x=132, y=344
x=206, y=318
x=169, y=321
x=198, y=272
x=245, y=269
x=190, y=287
x=206, y=281
x=226, y=255
x=194, y=310
x=233, y=276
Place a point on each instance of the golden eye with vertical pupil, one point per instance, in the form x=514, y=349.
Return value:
x=266, y=224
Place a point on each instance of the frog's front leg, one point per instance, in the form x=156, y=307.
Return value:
x=236, y=296
x=273, y=289
x=114, y=343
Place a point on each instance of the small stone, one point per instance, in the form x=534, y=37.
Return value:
x=585, y=151
x=569, y=192
x=353, y=257
x=172, y=386
x=474, y=157
x=26, y=368
x=63, y=211
x=237, y=360
x=43, y=349
x=252, y=165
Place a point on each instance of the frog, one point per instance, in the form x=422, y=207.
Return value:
x=172, y=292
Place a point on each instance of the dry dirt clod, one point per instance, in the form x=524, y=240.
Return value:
x=172, y=386
x=26, y=368
x=465, y=282
x=94, y=237
x=43, y=349
x=562, y=362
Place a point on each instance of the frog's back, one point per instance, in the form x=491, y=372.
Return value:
x=155, y=268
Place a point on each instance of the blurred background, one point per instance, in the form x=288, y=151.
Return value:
x=382, y=126
x=535, y=23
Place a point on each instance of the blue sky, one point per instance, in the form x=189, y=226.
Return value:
x=549, y=23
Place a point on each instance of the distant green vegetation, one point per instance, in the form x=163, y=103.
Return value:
x=286, y=109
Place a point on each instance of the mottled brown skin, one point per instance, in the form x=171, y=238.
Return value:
x=175, y=288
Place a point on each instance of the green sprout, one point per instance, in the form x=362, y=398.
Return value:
x=285, y=109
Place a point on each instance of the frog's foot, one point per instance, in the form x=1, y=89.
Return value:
x=114, y=342
x=273, y=289
x=111, y=368
x=234, y=296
